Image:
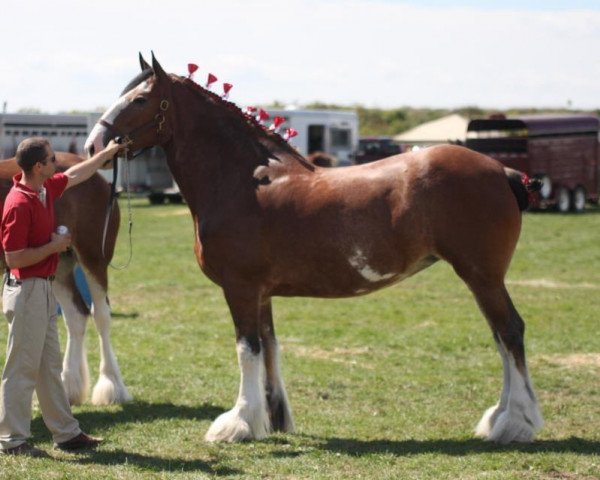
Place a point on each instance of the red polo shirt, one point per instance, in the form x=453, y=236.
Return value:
x=28, y=223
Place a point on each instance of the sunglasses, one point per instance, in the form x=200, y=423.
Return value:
x=51, y=159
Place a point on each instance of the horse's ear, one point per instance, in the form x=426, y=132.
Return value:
x=158, y=70
x=144, y=64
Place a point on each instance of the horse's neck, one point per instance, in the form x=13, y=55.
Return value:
x=215, y=162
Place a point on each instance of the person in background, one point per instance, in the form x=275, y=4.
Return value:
x=33, y=359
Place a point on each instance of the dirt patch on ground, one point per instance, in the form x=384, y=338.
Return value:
x=549, y=283
x=337, y=355
x=574, y=360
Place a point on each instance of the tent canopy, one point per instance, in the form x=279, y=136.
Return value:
x=443, y=130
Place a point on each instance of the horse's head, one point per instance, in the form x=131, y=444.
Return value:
x=139, y=116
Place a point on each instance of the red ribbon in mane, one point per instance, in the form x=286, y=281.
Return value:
x=226, y=88
x=211, y=79
x=192, y=67
x=290, y=133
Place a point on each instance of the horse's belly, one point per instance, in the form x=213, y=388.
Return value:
x=356, y=278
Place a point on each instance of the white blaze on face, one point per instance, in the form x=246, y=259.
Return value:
x=360, y=263
x=96, y=136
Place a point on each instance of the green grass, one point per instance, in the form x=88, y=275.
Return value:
x=388, y=385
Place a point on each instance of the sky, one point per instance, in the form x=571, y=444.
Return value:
x=69, y=55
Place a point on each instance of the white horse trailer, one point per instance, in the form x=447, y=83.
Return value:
x=331, y=131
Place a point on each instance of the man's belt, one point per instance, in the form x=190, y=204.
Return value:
x=13, y=281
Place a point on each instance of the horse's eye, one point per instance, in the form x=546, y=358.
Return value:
x=139, y=100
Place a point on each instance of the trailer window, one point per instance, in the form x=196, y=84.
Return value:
x=340, y=137
x=316, y=138
x=498, y=141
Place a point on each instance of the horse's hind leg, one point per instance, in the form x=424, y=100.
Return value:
x=517, y=416
x=248, y=419
x=277, y=401
x=110, y=387
x=75, y=374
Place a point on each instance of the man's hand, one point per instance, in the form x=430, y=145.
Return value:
x=80, y=172
x=113, y=148
x=60, y=243
x=31, y=256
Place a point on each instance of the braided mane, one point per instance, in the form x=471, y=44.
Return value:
x=247, y=120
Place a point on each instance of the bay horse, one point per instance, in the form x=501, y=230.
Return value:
x=82, y=210
x=268, y=223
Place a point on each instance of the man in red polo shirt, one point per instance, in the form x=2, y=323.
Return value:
x=31, y=247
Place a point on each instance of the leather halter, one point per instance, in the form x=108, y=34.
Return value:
x=128, y=138
x=159, y=120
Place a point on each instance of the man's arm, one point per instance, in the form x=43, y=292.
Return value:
x=82, y=171
x=31, y=256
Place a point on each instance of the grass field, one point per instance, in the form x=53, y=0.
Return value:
x=389, y=385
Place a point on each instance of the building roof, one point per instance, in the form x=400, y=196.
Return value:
x=540, y=124
x=446, y=129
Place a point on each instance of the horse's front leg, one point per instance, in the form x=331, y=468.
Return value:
x=110, y=387
x=248, y=419
x=277, y=402
x=75, y=374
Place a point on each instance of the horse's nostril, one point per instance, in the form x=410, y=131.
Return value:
x=91, y=150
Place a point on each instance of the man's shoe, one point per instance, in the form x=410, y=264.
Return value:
x=80, y=442
x=24, y=449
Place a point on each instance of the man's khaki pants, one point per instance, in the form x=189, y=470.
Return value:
x=33, y=361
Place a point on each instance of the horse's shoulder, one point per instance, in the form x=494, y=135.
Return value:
x=65, y=160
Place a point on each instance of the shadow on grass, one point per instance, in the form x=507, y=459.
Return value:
x=151, y=463
x=358, y=448
x=125, y=315
x=142, y=412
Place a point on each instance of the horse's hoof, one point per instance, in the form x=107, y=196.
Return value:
x=232, y=427
x=108, y=392
x=281, y=416
x=485, y=425
x=510, y=425
x=511, y=429
x=75, y=388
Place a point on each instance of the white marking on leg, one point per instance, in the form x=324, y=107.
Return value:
x=248, y=419
x=521, y=418
x=75, y=373
x=360, y=263
x=110, y=387
x=484, y=427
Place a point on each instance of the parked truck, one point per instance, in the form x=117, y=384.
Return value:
x=561, y=150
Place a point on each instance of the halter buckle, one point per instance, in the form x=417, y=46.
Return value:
x=164, y=104
x=160, y=119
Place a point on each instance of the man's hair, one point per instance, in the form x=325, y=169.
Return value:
x=31, y=151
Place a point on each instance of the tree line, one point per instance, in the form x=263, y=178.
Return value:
x=392, y=121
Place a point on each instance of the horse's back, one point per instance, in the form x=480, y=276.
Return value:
x=393, y=215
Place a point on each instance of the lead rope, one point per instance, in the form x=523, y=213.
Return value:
x=111, y=201
x=129, y=219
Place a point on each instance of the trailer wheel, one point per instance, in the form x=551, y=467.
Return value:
x=563, y=199
x=546, y=189
x=579, y=199
x=156, y=198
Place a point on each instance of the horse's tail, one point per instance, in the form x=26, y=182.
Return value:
x=522, y=186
